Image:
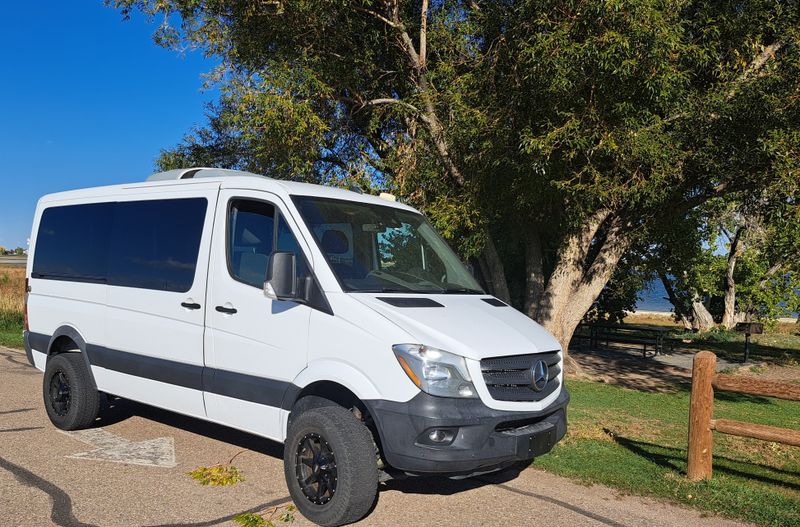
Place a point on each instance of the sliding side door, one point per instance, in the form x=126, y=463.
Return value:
x=157, y=269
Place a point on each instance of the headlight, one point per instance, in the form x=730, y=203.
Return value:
x=435, y=371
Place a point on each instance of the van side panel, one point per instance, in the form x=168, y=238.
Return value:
x=56, y=303
x=53, y=304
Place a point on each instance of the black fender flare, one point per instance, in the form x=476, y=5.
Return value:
x=72, y=334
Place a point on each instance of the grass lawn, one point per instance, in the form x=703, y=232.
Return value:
x=12, y=296
x=11, y=334
x=636, y=442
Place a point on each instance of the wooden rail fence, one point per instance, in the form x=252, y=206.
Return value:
x=701, y=413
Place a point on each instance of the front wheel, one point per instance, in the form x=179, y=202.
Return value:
x=330, y=466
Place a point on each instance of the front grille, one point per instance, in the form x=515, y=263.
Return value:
x=511, y=378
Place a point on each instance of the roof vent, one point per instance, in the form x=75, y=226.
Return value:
x=199, y=172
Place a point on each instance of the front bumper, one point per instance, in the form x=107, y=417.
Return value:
x=485, y=439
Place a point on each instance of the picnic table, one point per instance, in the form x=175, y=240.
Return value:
x=649, y=338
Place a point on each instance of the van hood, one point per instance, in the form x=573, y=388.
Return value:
x=467, y=325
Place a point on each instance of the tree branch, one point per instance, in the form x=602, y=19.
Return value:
x=719, y=190
x=756, y=64
x=380, y=17
x=771, y=271
x=754, y=67
x=423, y=39
x=385, y=101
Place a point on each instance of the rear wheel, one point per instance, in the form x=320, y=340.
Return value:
x=70, y=399
x=330, y=466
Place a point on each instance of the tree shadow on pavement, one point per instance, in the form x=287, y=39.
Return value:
x=646, y=375
x=630, y=371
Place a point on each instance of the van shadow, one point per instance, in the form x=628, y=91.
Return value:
x=118, y=409
x=444, y=486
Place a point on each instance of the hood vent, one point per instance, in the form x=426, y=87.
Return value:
x=409, y=301
x=494, y=302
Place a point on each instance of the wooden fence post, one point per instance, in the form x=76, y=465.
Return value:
x=701, y=410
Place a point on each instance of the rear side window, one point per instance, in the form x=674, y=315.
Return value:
x=154, y=244
x=72, y=243
x=145, y=244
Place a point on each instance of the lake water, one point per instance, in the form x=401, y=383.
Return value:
x=654, y=298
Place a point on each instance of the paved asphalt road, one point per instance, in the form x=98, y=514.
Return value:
x=40, y=484
x=17, y=261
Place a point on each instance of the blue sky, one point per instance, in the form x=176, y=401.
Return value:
x=85, y=99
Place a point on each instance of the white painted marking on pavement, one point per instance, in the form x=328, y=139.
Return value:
x=158, y=452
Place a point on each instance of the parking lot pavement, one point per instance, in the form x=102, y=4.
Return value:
x=132, y=470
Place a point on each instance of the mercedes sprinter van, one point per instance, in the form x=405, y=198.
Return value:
x=337, y=323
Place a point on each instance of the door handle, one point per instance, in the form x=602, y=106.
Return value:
x=226, y=310
x=190, y=305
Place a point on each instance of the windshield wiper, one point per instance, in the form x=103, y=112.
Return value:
x=383, y=290
x=462, y=290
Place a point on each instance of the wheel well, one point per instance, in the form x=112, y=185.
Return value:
x=69, y=340
x=323, y=393
x=63, y=344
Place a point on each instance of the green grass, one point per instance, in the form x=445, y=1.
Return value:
x=12, y=297
x=636, y=442
x=11, y=329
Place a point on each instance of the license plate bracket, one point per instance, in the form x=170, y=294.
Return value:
x=542, y=441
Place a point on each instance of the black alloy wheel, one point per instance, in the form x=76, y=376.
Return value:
x=315, y=466
x=330, y=463
x=60, y=396
x=71, y=399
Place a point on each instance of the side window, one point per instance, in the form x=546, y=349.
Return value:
x=251, y=231
x=154, y=244
x=72, y=243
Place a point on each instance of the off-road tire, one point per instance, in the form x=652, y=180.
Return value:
x=356, y=465
x=83, y=399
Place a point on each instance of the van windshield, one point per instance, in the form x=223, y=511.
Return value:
x=382, y=249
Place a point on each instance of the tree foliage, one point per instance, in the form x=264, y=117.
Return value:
x=547, y=138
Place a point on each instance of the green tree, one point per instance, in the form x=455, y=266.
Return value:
x=728, y=261
x=548, y=138
x=761, y=272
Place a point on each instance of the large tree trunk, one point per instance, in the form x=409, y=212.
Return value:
x=701, y=317
x=580, y=276
x=729, y=314
x=493, y=271
x=534, y=275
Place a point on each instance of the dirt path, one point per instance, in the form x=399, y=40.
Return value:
x=41, y=485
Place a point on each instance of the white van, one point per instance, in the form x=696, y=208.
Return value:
x=337, y=323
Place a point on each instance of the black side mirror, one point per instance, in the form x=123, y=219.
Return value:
x=281, y=281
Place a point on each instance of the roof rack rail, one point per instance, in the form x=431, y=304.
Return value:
x=199, y=172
